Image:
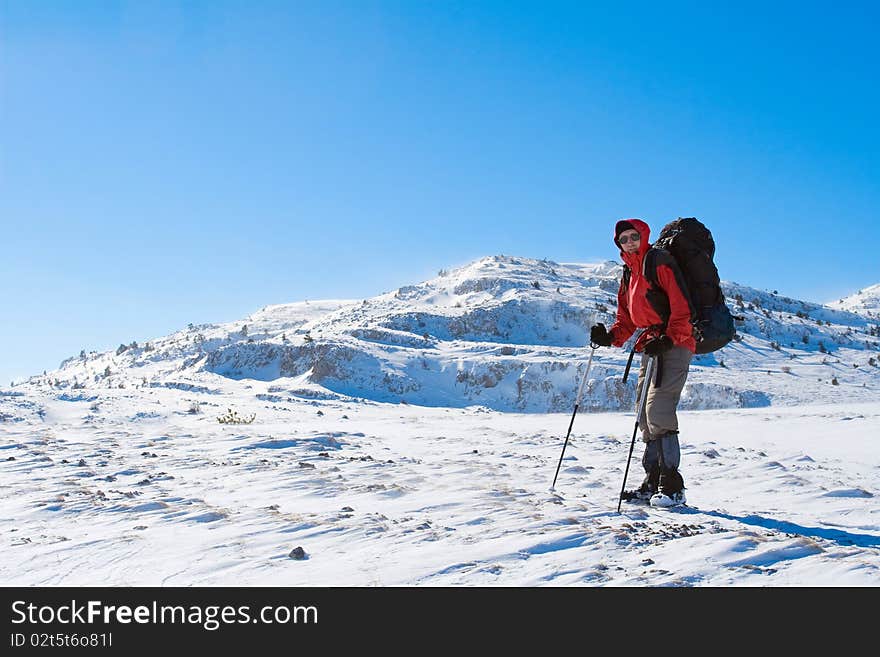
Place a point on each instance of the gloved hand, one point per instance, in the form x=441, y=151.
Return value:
x=599, y=336
x=656, y=346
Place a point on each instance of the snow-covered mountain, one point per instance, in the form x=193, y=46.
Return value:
x=865, y=302
x=503, y=332
x=276, y=450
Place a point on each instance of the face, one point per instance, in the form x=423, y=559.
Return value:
x=629, y=241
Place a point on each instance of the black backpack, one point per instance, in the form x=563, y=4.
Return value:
x=687, y=247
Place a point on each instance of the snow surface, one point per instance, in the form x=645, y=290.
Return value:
x=411, y=439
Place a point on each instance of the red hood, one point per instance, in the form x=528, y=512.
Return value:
x=634, y=260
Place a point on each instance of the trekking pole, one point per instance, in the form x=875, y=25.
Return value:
x=643, y=395
x=577, y=403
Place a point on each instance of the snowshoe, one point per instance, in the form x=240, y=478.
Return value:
x=664, y=500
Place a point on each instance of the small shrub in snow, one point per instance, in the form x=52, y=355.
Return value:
x=194, y=408
x=834, y=381
x=232, y=417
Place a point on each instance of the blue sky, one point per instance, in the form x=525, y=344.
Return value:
x=164, y=163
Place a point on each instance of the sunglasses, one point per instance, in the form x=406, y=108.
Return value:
x=623, y=239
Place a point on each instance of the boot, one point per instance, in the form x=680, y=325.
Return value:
x=671, y=491
x=648, y=488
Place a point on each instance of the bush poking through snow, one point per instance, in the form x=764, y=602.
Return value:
x=232, y=417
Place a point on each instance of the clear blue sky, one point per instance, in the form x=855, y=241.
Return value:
x=171, y=162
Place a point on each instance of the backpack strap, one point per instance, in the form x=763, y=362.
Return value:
x=649, y=266
x=658, y=299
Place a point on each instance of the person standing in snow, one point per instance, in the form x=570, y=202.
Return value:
x=640, y=305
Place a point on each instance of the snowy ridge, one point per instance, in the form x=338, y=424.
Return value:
x=502, y=332
x=866, y=302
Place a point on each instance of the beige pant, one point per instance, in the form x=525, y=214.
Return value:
x=658, y=417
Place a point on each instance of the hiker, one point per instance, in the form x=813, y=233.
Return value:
x=641, y=305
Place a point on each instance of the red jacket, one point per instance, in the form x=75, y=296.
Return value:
x=633, y=309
